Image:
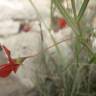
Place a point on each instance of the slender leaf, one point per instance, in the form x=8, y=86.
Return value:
x=82, y=9
x=74, y=8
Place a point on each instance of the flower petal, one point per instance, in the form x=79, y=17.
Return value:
x=5, y=70
x=61, y=23
x=15, y=67
x=6, y=50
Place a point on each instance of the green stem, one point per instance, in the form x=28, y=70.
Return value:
x=74, y=8
x=53, y=39
x=82, y=10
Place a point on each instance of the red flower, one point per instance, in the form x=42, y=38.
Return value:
x=6, y=69
x=61, y=23
x=58, y=23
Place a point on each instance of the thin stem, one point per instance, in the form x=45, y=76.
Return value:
x=67, y=39
x=82, y=10
x=41, y=20
x=74, y=8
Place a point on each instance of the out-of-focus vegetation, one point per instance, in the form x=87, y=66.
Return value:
x=77, y=76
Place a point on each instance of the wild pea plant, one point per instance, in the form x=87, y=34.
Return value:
x=76, y=77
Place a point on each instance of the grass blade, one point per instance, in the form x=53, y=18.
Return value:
x=74, y=8
x=82, y=10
